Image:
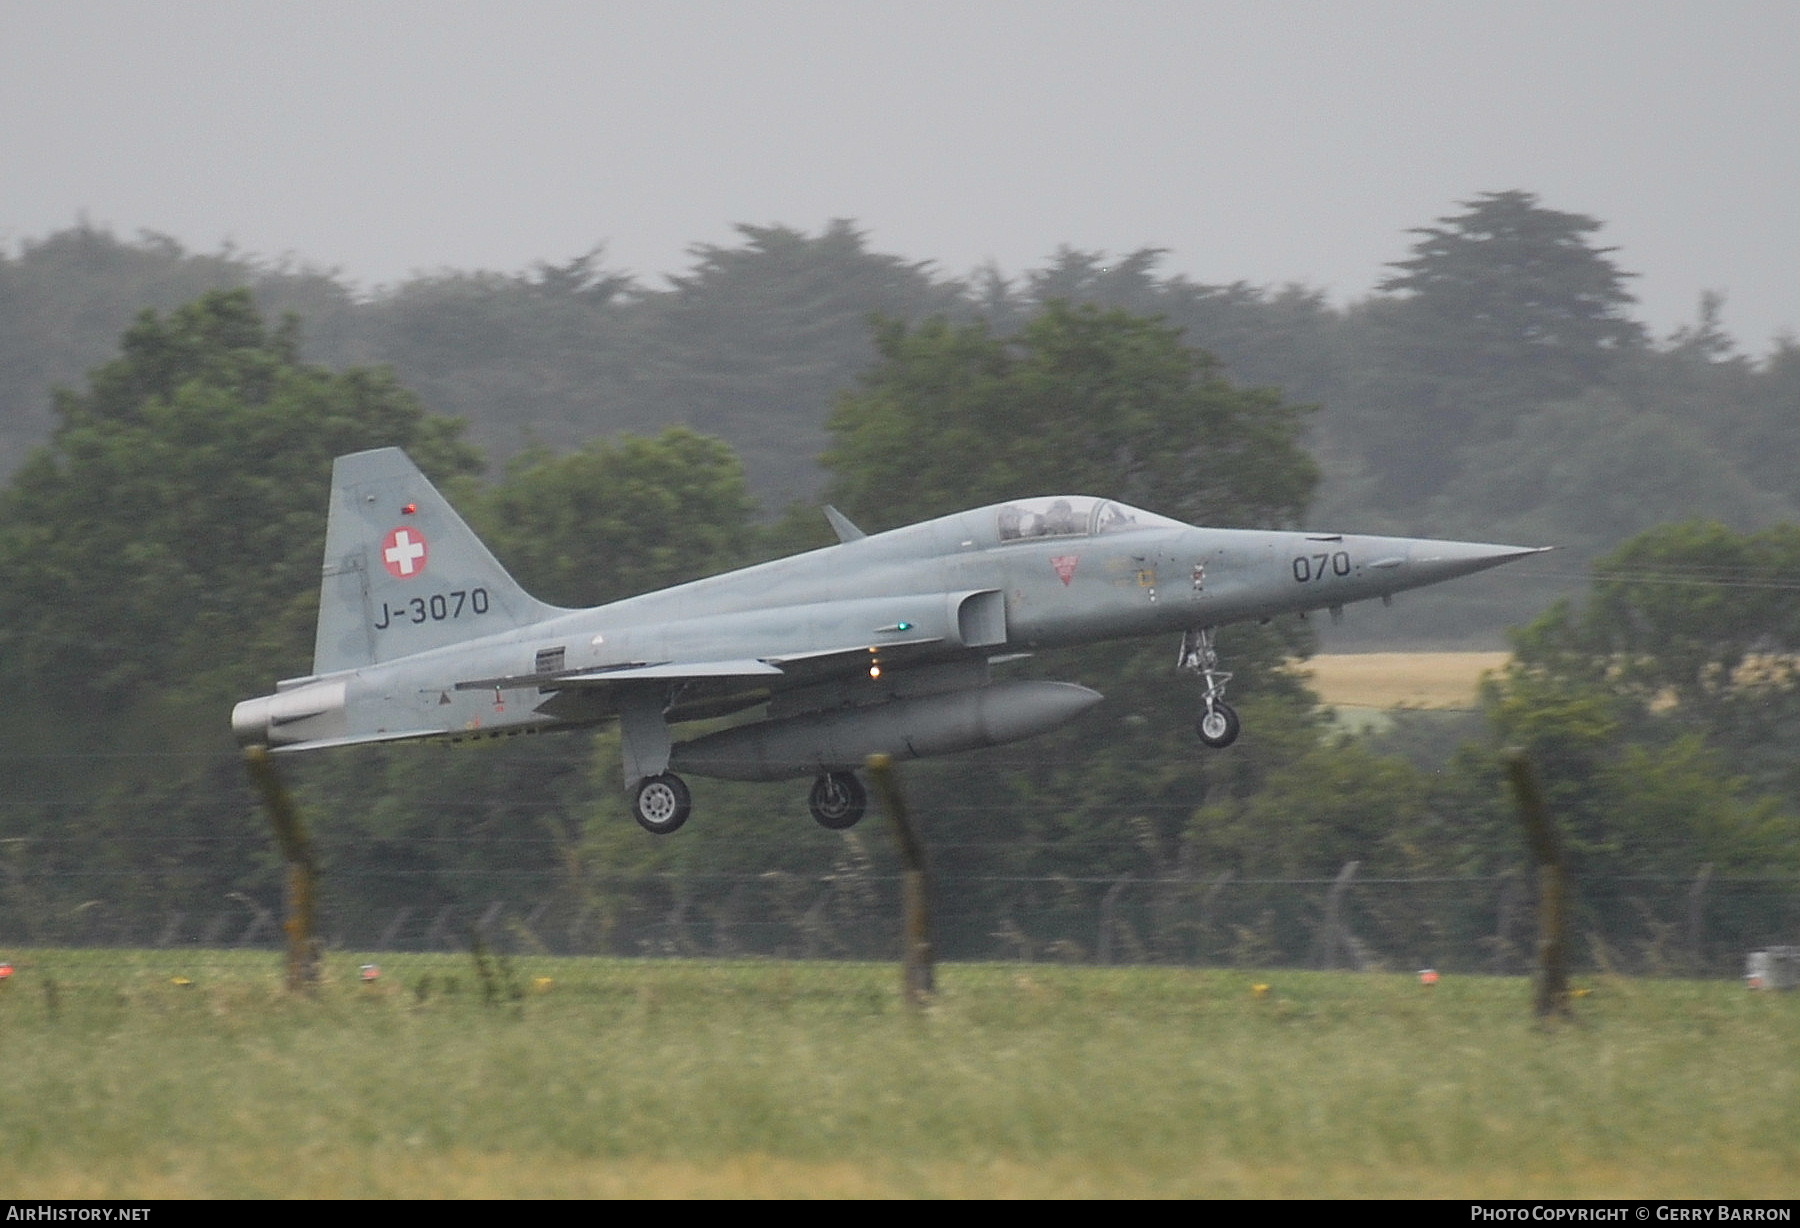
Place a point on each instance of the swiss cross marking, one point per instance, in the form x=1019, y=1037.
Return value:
x=403, y=553
x=1065, y=566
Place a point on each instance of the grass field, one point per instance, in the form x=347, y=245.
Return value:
x=1401, y=679
x=582, y=1077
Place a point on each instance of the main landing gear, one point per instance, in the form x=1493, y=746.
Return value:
x=838, y=800
x=662, y=803
x=1218, y=725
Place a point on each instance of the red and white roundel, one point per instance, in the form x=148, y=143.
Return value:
x=403, y=552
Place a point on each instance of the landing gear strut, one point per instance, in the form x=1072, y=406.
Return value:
x=838, y=800
x=1218, y=724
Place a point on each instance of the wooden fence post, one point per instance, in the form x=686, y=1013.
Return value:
x=1696, y=920
x=1109, y=908
x=1552, y=997
x=296, y=850
x=1333, y=933
x=918, y=976
x=1506, y=892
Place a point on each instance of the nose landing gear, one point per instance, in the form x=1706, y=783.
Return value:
x=1218, y=725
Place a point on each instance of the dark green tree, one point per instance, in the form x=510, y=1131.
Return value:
x=619, y=517
x=1686, y=619
x=551, y=357
x=753, y=342
x=1276, y=336
x=1515, y=295
x=168, y=537
x=1634, y=795
x=1591, y=474
x=158, y=561
x=1747, y=408
x=65, y=299
x=1081, y=399
x=1499, y=308
x=1661, y=711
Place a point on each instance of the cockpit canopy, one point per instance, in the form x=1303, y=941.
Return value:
x=1072, y=516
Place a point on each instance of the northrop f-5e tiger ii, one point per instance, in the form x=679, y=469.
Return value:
x=883, y=643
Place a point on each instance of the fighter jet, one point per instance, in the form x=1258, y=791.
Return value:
x=885, y=642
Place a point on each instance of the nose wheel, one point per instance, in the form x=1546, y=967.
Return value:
x=1218, y=725
x=838, y=800
x=661, y=804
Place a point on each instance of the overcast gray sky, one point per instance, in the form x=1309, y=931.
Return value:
x=1269, y=142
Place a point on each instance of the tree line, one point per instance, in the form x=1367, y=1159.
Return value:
x=1495, y=386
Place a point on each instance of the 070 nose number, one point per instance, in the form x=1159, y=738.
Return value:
x=1318, y=566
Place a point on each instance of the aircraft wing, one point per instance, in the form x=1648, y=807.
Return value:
x=394, y=735
x=672, y=670
x=635, y=671
x=825, y=658
x=807, y=664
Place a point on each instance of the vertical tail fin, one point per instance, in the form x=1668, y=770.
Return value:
x=403, y=572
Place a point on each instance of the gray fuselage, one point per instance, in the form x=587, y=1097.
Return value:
x=943, y=590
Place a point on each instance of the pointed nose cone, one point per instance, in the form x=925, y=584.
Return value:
x=1429, y=562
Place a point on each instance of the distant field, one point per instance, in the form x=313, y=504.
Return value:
x=1402, y=679
x=585, y=1077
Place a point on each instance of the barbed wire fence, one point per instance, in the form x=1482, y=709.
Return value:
x=168, y=892
x=1695, y=926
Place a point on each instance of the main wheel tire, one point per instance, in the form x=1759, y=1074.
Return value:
x=662, y=804
x=838, y=800
x=1218, y=725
